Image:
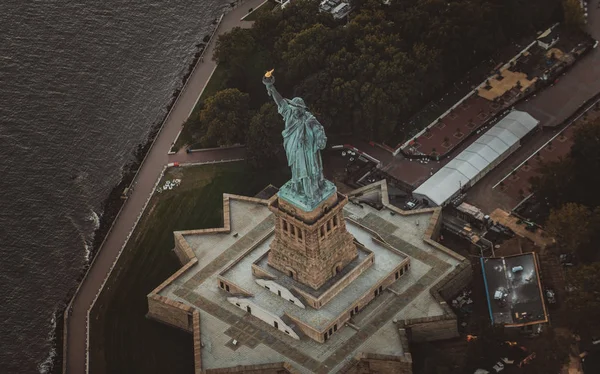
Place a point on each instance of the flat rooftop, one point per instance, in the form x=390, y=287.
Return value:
x=385, y=262
x=514, y=291
x=259, y=343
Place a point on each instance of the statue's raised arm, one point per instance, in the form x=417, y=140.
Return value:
x=269, y=82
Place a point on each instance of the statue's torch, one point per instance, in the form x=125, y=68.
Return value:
x=269, y=80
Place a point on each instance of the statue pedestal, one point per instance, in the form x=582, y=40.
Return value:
x=311, y=247
x=287, y=193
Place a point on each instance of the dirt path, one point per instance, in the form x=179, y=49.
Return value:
x=76, y=336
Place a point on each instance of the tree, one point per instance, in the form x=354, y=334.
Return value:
x=554, y=184
x=551, y=353
x=235, y=48
x=573, y=13
x=264, y=140
x=245, y=62
x=225, y=118
x=366, y=75
x=307, y=52
x=584, y=298
x=570, y=226
x=573, y=179
x=585, y=153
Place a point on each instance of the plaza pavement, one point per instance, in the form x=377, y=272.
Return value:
x=149, y=172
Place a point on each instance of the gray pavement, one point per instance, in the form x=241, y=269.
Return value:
x=553, y=105
x=150, y=170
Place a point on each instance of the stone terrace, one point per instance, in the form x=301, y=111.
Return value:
x=373, y=329
x=385, y=261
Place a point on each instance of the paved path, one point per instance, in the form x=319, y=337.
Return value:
x=554, y=104
x=145, y=181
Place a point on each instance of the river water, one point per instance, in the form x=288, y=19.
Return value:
x=81, y=84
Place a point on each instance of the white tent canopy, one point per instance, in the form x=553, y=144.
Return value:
x=472, y=163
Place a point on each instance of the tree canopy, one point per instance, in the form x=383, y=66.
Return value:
x=571, y=226
x=264, y=140
x=574, y=178
x=225, y=116
x=584, y=297
x=368, y=75
x=569, y=188
x=574, y=15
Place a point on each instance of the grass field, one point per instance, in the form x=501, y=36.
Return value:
x=122, y=339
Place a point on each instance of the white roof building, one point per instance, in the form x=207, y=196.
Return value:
x=338, y=8
x=477, y=159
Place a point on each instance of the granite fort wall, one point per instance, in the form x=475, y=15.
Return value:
x=455, y=281
x=175, y=313
x=365, y=363
x=433, y=328
x=170, y=312
x=361, y=302
x=422, y=329
x=274, y=368
x=444, y=326
x=197, y=342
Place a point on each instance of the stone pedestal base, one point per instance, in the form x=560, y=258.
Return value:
x=311, y=247
x=287, y=193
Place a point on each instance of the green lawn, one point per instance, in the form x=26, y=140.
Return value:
x=265, y=8
x=123, y=340
x=216, y=83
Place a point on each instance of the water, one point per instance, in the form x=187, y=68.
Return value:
x=81, y=84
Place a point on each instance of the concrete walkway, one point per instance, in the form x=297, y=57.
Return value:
x=150, y=170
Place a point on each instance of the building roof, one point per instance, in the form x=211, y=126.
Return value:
x=513, y=289
x=471, y=210
x=549, y=35
x=444, y=184
x=499, y=85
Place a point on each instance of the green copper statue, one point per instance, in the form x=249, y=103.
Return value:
x=303, y=140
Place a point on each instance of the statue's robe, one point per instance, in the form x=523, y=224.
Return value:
x=302, y=140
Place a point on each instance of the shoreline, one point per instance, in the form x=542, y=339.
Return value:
x=111, y=206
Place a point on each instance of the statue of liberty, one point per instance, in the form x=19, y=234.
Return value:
x=303, y=140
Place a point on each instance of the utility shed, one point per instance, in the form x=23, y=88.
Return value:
x=477, y=159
